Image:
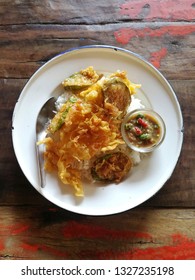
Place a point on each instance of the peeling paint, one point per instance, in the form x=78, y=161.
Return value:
x=2, y=246
x=14, y=229
x=35, y=248
x=181, y=248
x=124, y=35
x=159, y=9
x=156, y=57
x=76, y=230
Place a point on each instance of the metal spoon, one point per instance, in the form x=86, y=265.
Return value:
x=45, y=114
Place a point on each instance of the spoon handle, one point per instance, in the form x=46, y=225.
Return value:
x=40, y=163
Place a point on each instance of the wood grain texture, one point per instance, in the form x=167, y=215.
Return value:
x=32, y=32
x=169, y=47
x=57, y=234
x=86, y=12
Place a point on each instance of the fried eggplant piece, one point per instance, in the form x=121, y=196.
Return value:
x=111, y=167
x=117, y=93
x=81, y=79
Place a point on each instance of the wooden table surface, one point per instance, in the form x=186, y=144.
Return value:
x=32, y=32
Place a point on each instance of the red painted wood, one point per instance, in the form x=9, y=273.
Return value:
x=167, y=10
x=124, y=35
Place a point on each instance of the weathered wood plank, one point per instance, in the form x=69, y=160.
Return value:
x=51, y=233
x=155, y=10
x=182, y=182
x=169, y=47
x=90, y=12
x=13, y=184
x=71, y=12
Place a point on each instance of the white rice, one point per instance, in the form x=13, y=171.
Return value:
x=62, y=99
x=135, y=104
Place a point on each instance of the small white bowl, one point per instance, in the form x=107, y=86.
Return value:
x=138, y=146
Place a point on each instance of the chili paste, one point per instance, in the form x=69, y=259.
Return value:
x=143, y=130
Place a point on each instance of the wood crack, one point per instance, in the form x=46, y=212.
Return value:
x=102, y=23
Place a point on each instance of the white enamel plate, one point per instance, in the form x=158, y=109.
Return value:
x=143, y=180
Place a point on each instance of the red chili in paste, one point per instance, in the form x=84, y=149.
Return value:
x=143, y=130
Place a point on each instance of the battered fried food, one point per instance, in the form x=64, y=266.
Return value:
x=117, y=93
x=111, y=167
x=86, y=131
